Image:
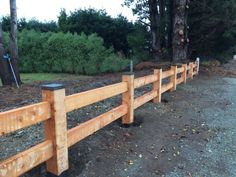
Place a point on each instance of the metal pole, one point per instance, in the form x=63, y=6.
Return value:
x=131, y=66
x=13, y=73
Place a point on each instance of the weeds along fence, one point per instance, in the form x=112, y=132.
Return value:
x=52, y=111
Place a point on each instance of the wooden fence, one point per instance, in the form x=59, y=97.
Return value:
x=52, y=111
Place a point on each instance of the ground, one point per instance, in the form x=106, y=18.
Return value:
x=190, y=134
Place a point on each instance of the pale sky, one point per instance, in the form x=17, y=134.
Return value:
x=46, y=10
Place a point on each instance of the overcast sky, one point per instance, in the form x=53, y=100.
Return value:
x=46, y=10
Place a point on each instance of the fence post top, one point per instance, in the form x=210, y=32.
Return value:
x=52, y=87
x=128, y=74
x=158, y=69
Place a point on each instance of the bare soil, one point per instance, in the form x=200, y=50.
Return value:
x=190, y=134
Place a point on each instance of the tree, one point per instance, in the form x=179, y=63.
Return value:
x=213, y=25
x=180, y=35
x=169, y=21
x=114, y=31
x=157, y=16
x=6, y=23
x=5, y=72
x=13, y=40
x=154, y=26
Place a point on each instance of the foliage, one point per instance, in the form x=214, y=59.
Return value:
x=158, y=21
x=114, y=31
x=212, y=27
x=114, y=64
x=138, y=42
x=66, y=53
x=30, y=24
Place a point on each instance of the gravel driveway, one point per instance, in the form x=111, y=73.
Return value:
x=192, y=133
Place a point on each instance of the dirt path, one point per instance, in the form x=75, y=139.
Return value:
x=190, y=134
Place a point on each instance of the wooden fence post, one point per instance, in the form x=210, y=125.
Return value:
x=173, y=78
x=191, y=70
x=128, y=98
x=157, y=85
x=56, y=128
x=184, y=73
x=198, y=64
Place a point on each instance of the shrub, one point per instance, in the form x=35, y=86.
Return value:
x=66, y=53
x=31, y=51
x=114, y=64
x=211, y=63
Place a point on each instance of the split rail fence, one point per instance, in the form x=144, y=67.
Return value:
x=52, y=111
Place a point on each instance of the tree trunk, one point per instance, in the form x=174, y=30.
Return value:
x=180, y=39
x=5, y=73
x=13, y=40
x=162, y=6
x=155, y=26
x=169, y=24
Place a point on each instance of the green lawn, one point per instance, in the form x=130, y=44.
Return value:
x=32, y=77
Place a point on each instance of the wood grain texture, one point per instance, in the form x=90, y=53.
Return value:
x=23, y=117
x=80, y=132
x=173, y=78
x=142, y=81
x=128, y=99
x=24, y=161
x=82, y=99
x=180, y=70
x=56, y=131
x=157, y=85
x=180, y=80
x=166, y=87
x=144, y=99
x=166, y=74
x=184, y=73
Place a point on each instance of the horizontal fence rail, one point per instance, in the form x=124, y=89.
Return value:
x=80, y=132
x=16, y=119
x=52, y=111
x=92, y=96
x=142, y=81
x=144, y=99
x=167, y=73
x=24, y=161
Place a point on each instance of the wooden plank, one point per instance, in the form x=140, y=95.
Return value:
x=157, y=85
x=23, y=117
x=92, y=96
x=80, y=132
x=180, y=80
x=195, y=73
x=166, y=74
x=128, y=99
x=56, y=130
x=139, y=82
x=198, y=64
x=184, y=74
x=144, y=99
x=24, y=161
x=191, y=70
x=174, y=78
x=180, y=70
x=166, y=87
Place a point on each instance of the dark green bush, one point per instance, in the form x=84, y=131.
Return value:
x=114, y=64
x=66, y=53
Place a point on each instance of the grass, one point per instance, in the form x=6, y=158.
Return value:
x=34, y=77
